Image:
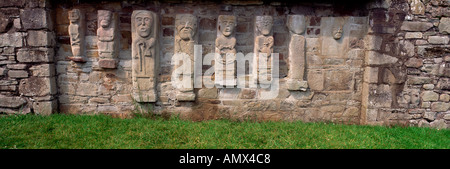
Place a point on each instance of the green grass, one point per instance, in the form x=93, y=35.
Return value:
x=104, y=132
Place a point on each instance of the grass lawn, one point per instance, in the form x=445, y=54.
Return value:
x=104, y=132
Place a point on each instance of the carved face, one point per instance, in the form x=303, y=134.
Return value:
x=296, y=24
x=186, y=27
x=104, y=18
x=74, y=15
x=337, y=33
x=143, y=23
x=227, y=24
x=265, y=24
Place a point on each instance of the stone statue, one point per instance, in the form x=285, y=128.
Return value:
x=144, y=55
x=263, y=45
x=185, y=39
x=297, y=59
x=76, y=32
x=337, y=32
x=225, y=43
x=108, y=39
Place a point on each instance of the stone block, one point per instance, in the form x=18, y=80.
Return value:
x=438, y=40
x=440, y=106
x=417, y=7
x=37, y=86
x=11, y=39
x=17, y=74
x=40, y=38
x=371, y=74
x=444, y=97
x=416, y=26
x=415, y=80
x=375, y=59
x=428, y=86
x=338, y=80
x=43, y=70
x=12, y=3
x=429, y=116
x=210, y=93
x=413, y=35
x=438, y=124
x=87, y=89
x=315, y=80
x=35, y=18
x=444, y=25
x=373, y=42
x=29, y=55
x=11, y=101
x=429, y=96
x=107, y=63
x=414, y=62
x=45, y=107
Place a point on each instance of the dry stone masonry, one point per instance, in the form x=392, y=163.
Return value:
x=376, y=62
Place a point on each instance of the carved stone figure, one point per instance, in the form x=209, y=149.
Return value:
x=76, y=32
x=263, y=45
x=337, y=33
x=108, y=39
x=144, y=55
x=296, y=26
x=225, y=43
x=185, y=39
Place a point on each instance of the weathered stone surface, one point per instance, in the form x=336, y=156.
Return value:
x=296, y=74
x=87, y=89
x=11, y=101
x=413, y=35
x=211, y=93
x=316, y=80
x=338, y=80
x=37, y=86
x=35, y=18
x=415, y=80
x=375, y=58
x=438, y=40
x=264, y=42
x=40, y=38
x=440, y=106
x=444, y=97
x=17, y=74
x=430, y=96
x=371, y=74
x=16, y=66
x=77, y=35
x=417, y=7
x=11, y=39
x=444, y=25
x=429, y=116
x=45, y=107
x=107, y=63
x=225, y=47
x=414, y=62
x=428, y=86
x=144, y=51
x=438, y=124
x=4, y=22
x=416, y=26
x=107, y=34
x=35, y=55
x=373, y=42
x=12, y=3
x=185, y=39
x=43, y=70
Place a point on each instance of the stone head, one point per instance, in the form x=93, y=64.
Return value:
x=74, y=15
x=104, y=18
x=143, y=22
x=186, y=26
x=264, y=24
x=337, y=32
x=296, y=24
x=227, y=23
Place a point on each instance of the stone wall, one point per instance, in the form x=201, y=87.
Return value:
x=390, y=64
x=27, y=69
x=407, y=74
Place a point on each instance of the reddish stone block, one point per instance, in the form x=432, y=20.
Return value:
x=168, y=21
x=208, y=24
x=107, y=63
x=168, y=32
